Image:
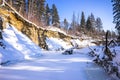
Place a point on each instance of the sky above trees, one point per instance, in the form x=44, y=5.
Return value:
x=100, y=8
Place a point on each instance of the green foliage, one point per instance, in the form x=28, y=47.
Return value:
x=47, y=15
x=55, y=16
x=41, y=8
x=89, y=24
x=66, y=24
x=74, y=22
x=116, y=13
x=92, y=19
x=82, y=22
x=99, y=24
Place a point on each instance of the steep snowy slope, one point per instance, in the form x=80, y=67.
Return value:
x=40, y=36
x=17, y=46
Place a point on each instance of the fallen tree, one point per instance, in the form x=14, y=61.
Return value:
x=105, y=58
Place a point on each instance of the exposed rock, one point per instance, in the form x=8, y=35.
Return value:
x=35, y=33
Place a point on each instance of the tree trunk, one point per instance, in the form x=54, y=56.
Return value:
x=106, y=44
x=107, y=50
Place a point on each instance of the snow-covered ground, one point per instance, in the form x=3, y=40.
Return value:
x=35, y=64
x=18, y=46
x=110, y=65
x=57, y=44
x=55, y=66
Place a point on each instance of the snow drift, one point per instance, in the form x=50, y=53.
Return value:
x=17, y=46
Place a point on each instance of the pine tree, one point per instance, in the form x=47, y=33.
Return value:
x=36, y=9
x=113, y=34
x=66, y=24
x=99, y=26
x=55, y=16
x=78, y=21
x=41, y=8
x=93, y=20
x=116, y=13
x=82, y=22
x=89, y=24
x=47, y=15
x=73, y=23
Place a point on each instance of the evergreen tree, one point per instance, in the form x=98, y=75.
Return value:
x=116, y=13
x=89, y=24
x=41, y=8
x=113, y=34
x=82, y=22
x=73, y=23
x=66, y=24
x=99, y=26
x=78, y=21
x=93, y=23
x=36, y=8
x=55, y=16
x=47, y=15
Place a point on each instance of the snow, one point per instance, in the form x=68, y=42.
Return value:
x=56, y=29
x=55, y=66
x=34, y=64
x=60, y=44
x=57, y=44
x=52, y=65
x=114, y=63
x=18, y=46
x=83, y=43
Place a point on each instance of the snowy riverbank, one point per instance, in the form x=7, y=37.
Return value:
x=55, y=66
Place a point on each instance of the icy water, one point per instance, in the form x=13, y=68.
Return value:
x=55, y=66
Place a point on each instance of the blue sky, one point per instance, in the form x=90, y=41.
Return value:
x=100, y=8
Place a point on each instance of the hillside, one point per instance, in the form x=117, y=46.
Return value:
x=41, y=52
x=38, y=35
x=21, y=37
x=17, y=46
x=35, y=33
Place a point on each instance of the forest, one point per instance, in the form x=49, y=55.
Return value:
x=39, y=12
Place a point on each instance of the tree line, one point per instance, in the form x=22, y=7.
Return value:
x=90, y=26
x=39, y=12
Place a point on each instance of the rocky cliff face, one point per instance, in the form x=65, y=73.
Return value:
x=36, y=34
